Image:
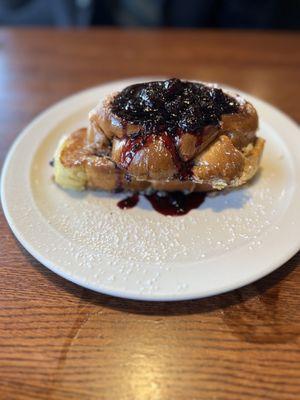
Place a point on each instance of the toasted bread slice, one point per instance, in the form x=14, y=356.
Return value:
x=221, y=165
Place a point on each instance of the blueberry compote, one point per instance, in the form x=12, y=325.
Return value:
x=169, y=109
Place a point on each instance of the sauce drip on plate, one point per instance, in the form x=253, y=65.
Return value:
x=129, y=202
x=172, y=203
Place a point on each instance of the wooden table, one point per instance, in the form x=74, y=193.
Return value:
x=59, y=341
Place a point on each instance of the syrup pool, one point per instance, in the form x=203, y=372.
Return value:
x=173, y=203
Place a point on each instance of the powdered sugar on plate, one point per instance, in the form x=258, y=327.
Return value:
x=228, y=241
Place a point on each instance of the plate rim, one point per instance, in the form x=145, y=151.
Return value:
x=177, y=296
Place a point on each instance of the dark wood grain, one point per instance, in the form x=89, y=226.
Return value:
x=59, y=341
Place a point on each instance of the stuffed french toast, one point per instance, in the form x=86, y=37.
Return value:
x=170, y=135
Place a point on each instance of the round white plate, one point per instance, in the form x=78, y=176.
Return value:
x=230, y=241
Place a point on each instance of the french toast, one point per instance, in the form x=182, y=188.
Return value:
x=168, y=135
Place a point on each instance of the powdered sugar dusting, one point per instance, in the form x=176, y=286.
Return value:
x=88, y=239
x=114, y=244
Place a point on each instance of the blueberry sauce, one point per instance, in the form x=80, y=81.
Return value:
x=169, y=109
x=171, y=105
x=172, y=203
x=129, y=202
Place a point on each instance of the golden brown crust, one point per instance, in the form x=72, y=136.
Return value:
x=102, y=119
x=240, y=127
x=153, y=162
x=220, y=160
x=220, y=166
x=189, y=146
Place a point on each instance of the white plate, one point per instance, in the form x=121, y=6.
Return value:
x=230, y=241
